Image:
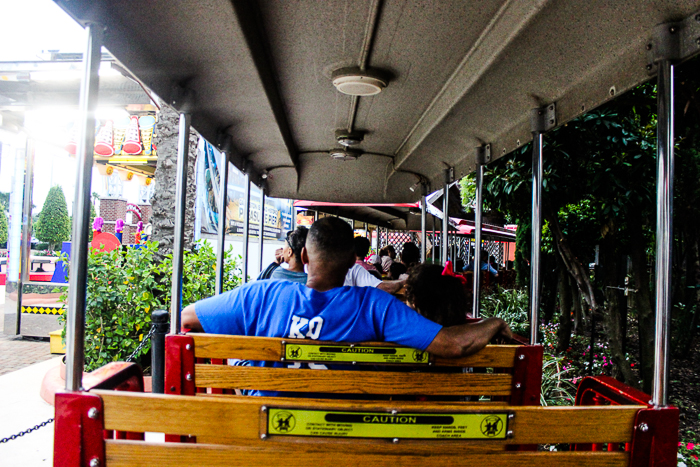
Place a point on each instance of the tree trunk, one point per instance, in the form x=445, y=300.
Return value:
x=565, y=300
x=613, y=315
x=571, y=262
x=578, y=309
x=643, y=300
x=163, y=201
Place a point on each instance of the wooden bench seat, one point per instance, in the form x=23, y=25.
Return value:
x=614, y=428
x=197, y=363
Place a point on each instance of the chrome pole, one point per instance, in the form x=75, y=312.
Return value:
x=444, y=246
x=478, y=209
x=664, y=230
x=183, y=146
x=262, y=225
x=25, y=263
x=77, y=288
x=246, y=226
x=536, y=235
x=221, y=237
x=423, y=222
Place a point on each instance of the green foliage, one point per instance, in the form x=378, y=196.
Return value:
x=523, y=237
x=124, y=287
x=689, y=451
x=557, y=389
x=3, y=224
x=54, y=224
x=511, y=305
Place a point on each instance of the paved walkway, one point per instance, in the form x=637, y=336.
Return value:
x=17, y=353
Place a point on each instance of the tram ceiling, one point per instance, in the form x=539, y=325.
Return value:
x=458, y=75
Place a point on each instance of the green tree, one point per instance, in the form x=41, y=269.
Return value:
x=54, y=224
x=3, y=224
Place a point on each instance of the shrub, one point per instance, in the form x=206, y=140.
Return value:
x=54, y=224
x=3, y=224
x=511, y=305
x=125, y=286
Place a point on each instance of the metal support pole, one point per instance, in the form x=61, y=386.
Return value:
x=445, y=246
x=536, y=235
x=246, y=226
x=221, y=238
x=423, y=224
x=478, y=209
x=183, y=145
x=25, y=264
x=432, y=239
x=262, y=225
x=77, y=288
x=159, y=319
x=664, y=230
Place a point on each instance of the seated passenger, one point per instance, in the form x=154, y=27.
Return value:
x=484, y=264
x=387, y=256
x=267, y=272
x=410, y=255
x=439, y=298
x=326, y=310
x=359, y=275
x=296, y=239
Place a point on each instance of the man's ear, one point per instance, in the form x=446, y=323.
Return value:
x=304, y=256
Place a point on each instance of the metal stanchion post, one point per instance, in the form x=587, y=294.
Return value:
x=221, y=237
x=246, y=226
x=478, y=209
x=423, y=223
x=183, y=145
x=262, y=225
x=664, y=230
x=159, y=320
x=77, y=289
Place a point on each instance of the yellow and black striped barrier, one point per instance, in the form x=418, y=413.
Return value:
x=43, y=310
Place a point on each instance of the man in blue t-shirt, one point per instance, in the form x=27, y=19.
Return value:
x=326, y=310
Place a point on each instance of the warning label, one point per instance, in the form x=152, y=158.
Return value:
x=354, y=353
x=293, y=422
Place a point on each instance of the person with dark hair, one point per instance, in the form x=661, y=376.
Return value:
x=325, y=310
x=360, y=274
x=296, y=239
x=410, y=255
x=361, y=249
x=439, y=298
x=396, y=270
x=387, y=255
x=485, y=266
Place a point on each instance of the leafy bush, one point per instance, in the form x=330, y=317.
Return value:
x=557, y=389
x=54, y=224
x=3, y=224
x=689, y=452
x=511, y=305
x=124, y=287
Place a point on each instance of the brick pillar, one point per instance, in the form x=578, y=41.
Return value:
x=112, y=208
x=145, y=212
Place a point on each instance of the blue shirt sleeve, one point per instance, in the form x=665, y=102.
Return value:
x=403, y=325
x=223, y=314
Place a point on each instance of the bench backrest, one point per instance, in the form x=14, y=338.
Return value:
x=197, y=363
x=260, y=431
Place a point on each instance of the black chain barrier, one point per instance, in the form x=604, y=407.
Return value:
x=50, y=420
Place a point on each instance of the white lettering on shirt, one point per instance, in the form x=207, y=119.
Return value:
x=297, y=324
x=315, y=326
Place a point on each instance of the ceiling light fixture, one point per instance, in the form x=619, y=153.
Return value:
x=345, y=154
x=356, y=82
x=348, y=138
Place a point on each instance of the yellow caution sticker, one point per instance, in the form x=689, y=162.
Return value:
x=355, y=353
x=318, y=423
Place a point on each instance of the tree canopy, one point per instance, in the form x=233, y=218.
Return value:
x=54, y=224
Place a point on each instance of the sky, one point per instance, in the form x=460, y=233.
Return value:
x=29, y=27
x=28, y=30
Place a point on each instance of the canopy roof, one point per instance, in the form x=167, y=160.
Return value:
x=460, y=74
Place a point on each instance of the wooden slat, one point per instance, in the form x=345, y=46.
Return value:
x=237, y=418
x=270, y=349
x=130, y=453
x=352, y=382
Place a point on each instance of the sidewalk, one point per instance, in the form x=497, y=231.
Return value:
x=17, y=353
x=22, y=408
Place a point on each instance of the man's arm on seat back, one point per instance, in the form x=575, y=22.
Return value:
x=190, y=322
x=466, y=339
x=391, y=286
